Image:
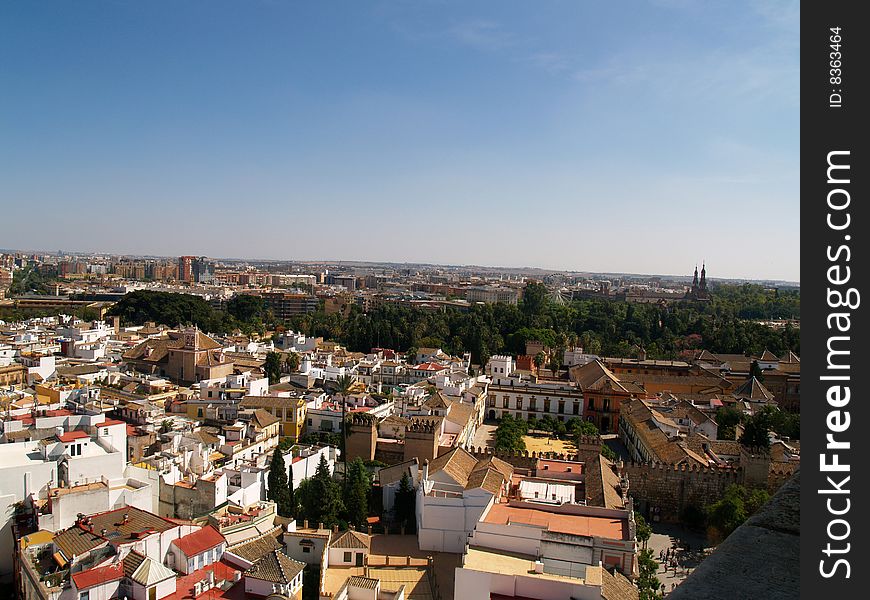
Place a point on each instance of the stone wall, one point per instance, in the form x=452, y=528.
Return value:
x=667, y=490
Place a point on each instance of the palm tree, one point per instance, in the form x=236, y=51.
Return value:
x=344, y=383
x=540, y=359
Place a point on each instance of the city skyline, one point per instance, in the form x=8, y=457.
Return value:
x=566, y=137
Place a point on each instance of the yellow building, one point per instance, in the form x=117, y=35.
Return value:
x=290, y=410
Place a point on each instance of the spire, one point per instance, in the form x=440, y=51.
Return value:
x=703, y=276
x=695, y=280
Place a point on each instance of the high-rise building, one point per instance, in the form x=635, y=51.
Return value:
x=185, y=268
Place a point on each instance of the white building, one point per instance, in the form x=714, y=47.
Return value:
x=455, y=490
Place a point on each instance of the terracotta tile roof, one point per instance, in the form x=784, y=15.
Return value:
x=437, y=400
x=366, y=583
x=488, y=479
x=457, y=464
x=98, y=576
x=503, y=467
x=199, y=541
x=459, y=413
x=602, y=484
x=275, y=567
x=616, y=586
x=393, y=473
x=351, y=539
x=254, y=550
x=263, y=418
x=71, y=436
x=79, y=538
x=752, y=389
x=594, y=376
x=132, y=562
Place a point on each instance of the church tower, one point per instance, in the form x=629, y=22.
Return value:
x=703, y=276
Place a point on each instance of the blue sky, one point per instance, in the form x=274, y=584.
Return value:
x=600, y=136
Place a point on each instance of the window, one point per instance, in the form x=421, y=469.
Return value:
x=504, y=403
x=606, y=404
x=546, y=405
x=568, y=470
x=198, y=412
x=561, y=407
x=106, y=431
x=86, y=595
x=591, y=404
x=519, y=404
x=348, y=557
x=554, y=496
x=576, y=408
x=310, y=423
x=532, y=404
x=546, y=467
x=306, y=549
x=536, y=494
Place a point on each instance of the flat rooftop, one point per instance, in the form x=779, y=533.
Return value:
x=507, y=563
x=20, y=454
x=606, y=527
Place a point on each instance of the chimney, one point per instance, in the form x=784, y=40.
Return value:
x=426, y=469
x=58, y=431
x=104, y=531
x=126, y=518
x=335, y=529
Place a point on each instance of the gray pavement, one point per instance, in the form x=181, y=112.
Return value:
x=686, y=549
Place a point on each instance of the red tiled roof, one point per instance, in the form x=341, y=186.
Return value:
x=223, y=571
x=61, y=412
x=71, y=436
x=98, y=576
x=199, y=541
x=110, y=422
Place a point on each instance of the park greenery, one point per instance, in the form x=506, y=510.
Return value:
x=511, y=430
x=601, y=326
x=32, y=280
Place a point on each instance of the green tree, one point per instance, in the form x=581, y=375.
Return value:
x=292, y=362
x=756, y=430
x=272, y=367
x=320, y=498
x=280, y=487
x=509, y=434
x=608, y=453
x=648, y=585
x=405, y=503
x=344, y=384
x=356, y=496
x=644, y=531
x=756, y=371
x=727, y=418
x=534, y=300
x=736, y=505
x=540, y=359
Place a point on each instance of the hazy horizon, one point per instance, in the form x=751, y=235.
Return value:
x=586, y=137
